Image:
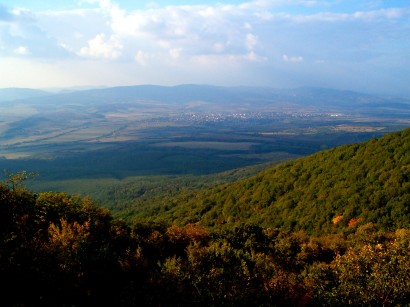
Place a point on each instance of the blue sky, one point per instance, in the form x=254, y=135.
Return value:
x=343, y=44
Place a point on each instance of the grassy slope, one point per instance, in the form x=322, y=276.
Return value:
x=324, y=192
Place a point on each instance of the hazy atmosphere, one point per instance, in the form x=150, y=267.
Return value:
x=204, y=153
x=355, y=45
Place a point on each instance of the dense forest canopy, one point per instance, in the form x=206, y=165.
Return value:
x=322, y=193
x=331, y=229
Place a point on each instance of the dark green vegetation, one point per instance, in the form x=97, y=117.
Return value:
x=60, y=250
x=175, y=148
x=348, y=185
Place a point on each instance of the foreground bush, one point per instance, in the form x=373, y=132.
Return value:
x=59, y=250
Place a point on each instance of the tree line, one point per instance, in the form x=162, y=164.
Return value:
x=60, y=250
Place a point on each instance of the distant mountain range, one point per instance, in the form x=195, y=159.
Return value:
x=11, y=94
x=217, y=98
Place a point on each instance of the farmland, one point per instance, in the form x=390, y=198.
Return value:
x=116, y=134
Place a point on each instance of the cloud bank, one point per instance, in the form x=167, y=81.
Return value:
x=270, y=43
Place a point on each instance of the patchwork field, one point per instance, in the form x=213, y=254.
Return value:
x=110, y=135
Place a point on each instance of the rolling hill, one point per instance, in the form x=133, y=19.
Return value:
x=60, y=250
x=11, y=94
x=213, y=98
x=126, y=131
x=325, y=192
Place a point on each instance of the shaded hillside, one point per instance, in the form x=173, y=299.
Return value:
x=62, y=250
x=325, y=192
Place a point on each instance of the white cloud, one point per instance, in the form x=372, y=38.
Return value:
x=253, y=57
x=175, y=53
x=287, y=58
x=203, y=29
x=21, y=50
x=228, y=59
x=102, y=3
x=218, y=47
x=366, y=16
x=187, y=40
x=247, y=26
x=251, y=41
x=142, y=57
x=99, y=47
x=393, y=13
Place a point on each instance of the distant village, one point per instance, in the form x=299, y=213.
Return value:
x=250, y=116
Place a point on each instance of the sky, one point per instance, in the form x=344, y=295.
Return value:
x=344, y=44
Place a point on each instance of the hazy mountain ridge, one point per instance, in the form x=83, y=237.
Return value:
x=11, y=94
x=24, y=107
x=320, y=98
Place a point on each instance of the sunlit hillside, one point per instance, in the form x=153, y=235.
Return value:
x=326, y=192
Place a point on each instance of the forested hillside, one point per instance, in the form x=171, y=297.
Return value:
x=328, y=230
x=322, y=193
